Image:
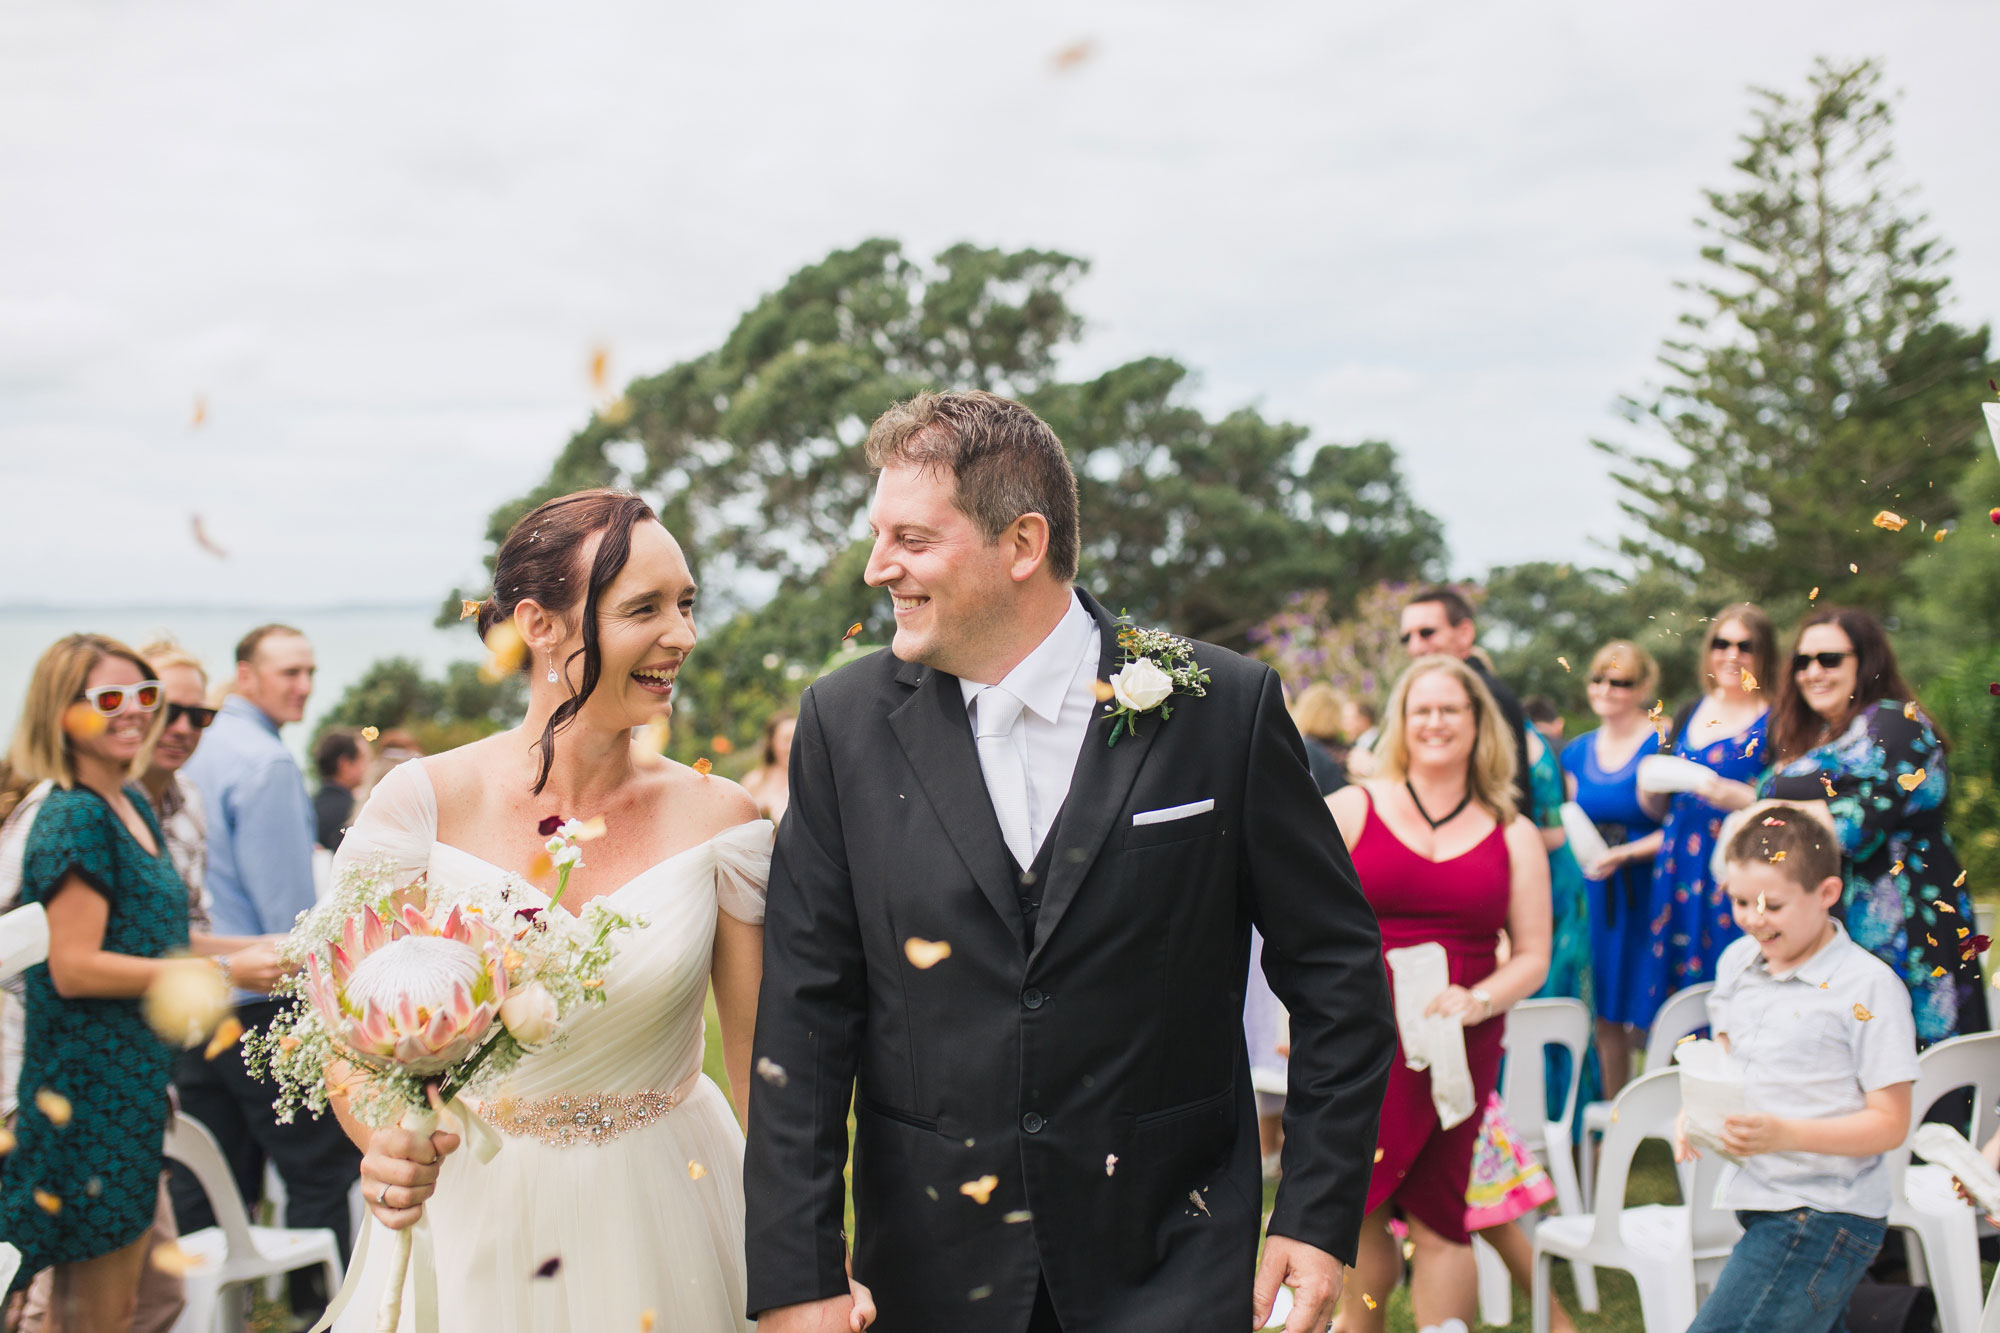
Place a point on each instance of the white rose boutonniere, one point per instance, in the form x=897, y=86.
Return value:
x=1158, y=665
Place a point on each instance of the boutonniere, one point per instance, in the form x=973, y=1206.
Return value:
x=1157, y=666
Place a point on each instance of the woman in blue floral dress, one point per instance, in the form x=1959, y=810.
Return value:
x=1848, y=734
x=1724, y=731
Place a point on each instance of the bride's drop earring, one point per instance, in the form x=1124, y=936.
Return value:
x=552, y=668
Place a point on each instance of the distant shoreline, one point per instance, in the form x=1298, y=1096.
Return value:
x=205, y=608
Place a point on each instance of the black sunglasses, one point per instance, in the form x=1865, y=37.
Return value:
x=200, y=717
x=1800, y=661
x=1615, y=682
x=1426, y=633
x=1718, y=644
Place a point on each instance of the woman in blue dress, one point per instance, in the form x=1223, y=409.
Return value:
x=1723, y=731
x=1627, y=922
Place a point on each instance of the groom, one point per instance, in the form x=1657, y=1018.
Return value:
x=1019, y=951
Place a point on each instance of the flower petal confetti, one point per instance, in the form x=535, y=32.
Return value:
x=1367, y=1300
x=48, y=1202
x=925, y=954
x=646, y=1321
x=1749, y=680
x=852, y=630
x=467, y=608
x=1969, y=949
x=702, y=766
x=1827, y=783
x=1861, y=1013
x=547, y=827
x=722, y=745
x=1198, y=1202
x=549, y=1266
x=1853, y=568
x=371, y=734
x=772, y=1072
x=55, y=1107
x=1103, y=690
x=1813, y=596
x=6, y=1141
x=1938, y=536
x=200, y=413
x=1891, y=522
x=1110, y=1163
x=1563, y=662
x=186, y=1001
x=227, y=1033
x=980, y=1190
x=1937, y=971
x=1958, y=883
x=82, y=722
x=696, y=1170
x=174, y=1261
x=1911, y=781
x=1018, y=1215
x=506, y=650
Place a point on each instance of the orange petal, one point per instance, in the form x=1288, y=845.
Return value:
x=980, y=1190
x=852, y=630
x=1104, y=692
x=1910, y=781
x=1563, y=662
x=1889, y=521
x=371, y=734
x=702, y=766
x=55, y=1107
x=696, y=1170
x=646, y=1318
x=722, y=745
x=6, y=1141
x=925, y=954
x=82, y=722
x=539, y=865
x=174, y=1261
x=227, y=1033
x=1861, y=1013
x=467, y=608
x=592, y=828
x=50, y=1204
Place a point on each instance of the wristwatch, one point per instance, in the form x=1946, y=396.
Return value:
x=1480, y=994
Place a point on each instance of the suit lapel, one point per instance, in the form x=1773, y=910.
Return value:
x=936, y=736
x=1097, y=792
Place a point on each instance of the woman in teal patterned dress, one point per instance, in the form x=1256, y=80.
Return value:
x=1848, y=735
x=81, y=1187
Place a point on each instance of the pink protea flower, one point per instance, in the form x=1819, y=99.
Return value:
x=400, y=991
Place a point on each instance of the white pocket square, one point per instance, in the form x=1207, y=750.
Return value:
x=1173, y=812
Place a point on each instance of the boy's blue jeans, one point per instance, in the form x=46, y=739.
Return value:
x=1793, y=1272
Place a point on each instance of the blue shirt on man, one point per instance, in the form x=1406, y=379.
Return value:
x=260, y=824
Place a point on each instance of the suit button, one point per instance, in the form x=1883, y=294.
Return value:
x=1032, y=1123
x=1032, y=998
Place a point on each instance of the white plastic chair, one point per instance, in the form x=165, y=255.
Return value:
x=10, y=1264
x=1922, y=1202
x=1683, y=1013
x=1532, y=1027
x=227, y=1257
x=1653, y=1242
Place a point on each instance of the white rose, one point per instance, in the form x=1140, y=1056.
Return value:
x=530, y=1014
x=1141, y=685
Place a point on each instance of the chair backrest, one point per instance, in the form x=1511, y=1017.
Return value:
x=190, y=1144
x=1970, y=1061
x=10, y=1264
x=1532, y=1027
x=1645, y=1109
x=1684, y=1012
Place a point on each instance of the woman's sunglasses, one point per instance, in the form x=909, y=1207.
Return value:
x=1827, y=661
x=1615, y=682
x=198, y=718
x=110, y=700
x=1722, y=645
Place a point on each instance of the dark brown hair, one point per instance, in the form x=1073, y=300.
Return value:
x=1795, y=727
x=1004, y=459
x=1763, y=640
x=541, y=561
x=1805, y=849
x=1456, y=609
x=335, y=746
x=246, y=647
x=771, y=725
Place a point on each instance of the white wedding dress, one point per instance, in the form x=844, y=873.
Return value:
x=620, y=1177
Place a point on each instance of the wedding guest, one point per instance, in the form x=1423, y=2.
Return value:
x=1848, y=734
x=82, y=1186
x=393, y=748
x=21, y=800
x=1444, y=856
x=1439, y=620
x=769, y=784
x=1601, y=768
x=341, y=758
x=1361, y=720
x=1545, y=717
x=1724, y=731
x=260, y=877
x=1317, y=714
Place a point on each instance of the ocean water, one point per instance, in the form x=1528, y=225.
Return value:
x=346, y=641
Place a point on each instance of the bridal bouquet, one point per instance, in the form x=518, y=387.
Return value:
x=412, y=994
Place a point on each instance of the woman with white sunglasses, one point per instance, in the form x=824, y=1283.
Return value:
x=82, y=1186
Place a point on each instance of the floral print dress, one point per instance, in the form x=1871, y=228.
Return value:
x=1884, y=780
x=1702, y=923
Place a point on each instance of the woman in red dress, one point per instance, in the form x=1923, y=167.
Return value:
x=1444, y=857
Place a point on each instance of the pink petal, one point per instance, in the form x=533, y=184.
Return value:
x=374, y=934
x=414, y=921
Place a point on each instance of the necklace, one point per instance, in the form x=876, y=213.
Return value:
x=1435, y=824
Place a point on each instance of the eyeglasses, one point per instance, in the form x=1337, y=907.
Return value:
x=1427, y=633
x=1827, y=661
x=1615, y=682
x=110, y=700
x=199, y=718
x=1718, y=644
x=1442, y=712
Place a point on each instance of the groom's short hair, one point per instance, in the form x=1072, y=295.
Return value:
x=1005, y=460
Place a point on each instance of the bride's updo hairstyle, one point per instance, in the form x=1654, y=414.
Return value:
x=541, y=562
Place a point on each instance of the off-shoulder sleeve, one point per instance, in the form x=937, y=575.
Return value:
x=72, y=835
x=398, y=823
x=743, y=868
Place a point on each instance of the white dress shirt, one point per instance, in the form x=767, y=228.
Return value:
x=1056, y=684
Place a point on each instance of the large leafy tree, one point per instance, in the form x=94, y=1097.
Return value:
x=1817, y=381
x=753, y=453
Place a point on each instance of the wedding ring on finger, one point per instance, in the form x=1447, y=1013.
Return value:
x=382, y=1199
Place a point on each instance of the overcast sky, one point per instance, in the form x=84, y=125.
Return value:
x=380, y=238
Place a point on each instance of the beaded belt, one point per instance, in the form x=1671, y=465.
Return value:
x=577, y=1119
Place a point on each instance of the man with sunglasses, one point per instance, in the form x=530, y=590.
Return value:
x=1439, y=620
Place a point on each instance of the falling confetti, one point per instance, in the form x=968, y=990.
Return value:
x=1958, y=883
x=1827, y=783
x=1853, y=568
x=186, y=1001
x=1378, y=1154
x=1938, y=536
x=1890, y=522
x=1563, y=662
x=600, y=367
x=1770, y=822
x=1993, y=514
x=1896, y=869
x=1813, y=596
x=1910, y=781
x=1018, y=1215
x=506, y=650
x=55, y=1107
x=1972, y=948
x=1110, y=1163
x=6, y=1140
x=1073, y=56
x=979, y=1293
x=1103, y=690
x=702, y=766
x=1760, y=904
x=1688, y=1038
x=467, y=608
x=925, y=954
x=616, y=413
x=980, y=1190
x=174, y=1261
x=203, y=540
x=1777, y=856
x=548, y=1267
x=771, y=1071
x=200, y=413
x=1910, y=710
x=1749, y=681
x=82, y=722
x=48, y=1202
x=1861, y=1013
x=646, y=1320
x=722, y=745
x=696, y=1170
x=1367, y=1300
x=1937, y=971
x=1196, y=1200
x=852, y=630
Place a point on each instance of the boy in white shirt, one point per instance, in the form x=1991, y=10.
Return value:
x=1823, y=1031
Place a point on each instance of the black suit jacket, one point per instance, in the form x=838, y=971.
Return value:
x=1096, y=1072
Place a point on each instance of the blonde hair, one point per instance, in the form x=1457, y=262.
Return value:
x=1489, y=770
x=1624, y=650
x=41, y=747
x=166, y=651
x=1317, y=712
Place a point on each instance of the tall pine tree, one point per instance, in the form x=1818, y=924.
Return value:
x=1818, y=381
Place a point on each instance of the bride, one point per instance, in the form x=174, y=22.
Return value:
x=617, y=1199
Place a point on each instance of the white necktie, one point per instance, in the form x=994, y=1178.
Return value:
x=1006, y=774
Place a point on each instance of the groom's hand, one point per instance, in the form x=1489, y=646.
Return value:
x=836, y=1314
x=1312, y=1274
